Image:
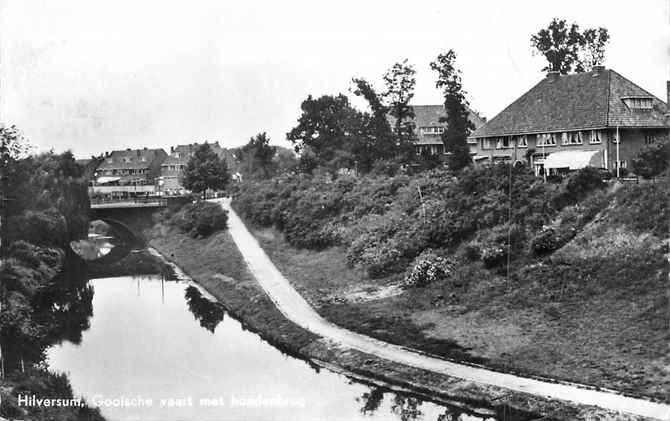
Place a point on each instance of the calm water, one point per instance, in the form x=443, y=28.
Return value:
x=166, y=342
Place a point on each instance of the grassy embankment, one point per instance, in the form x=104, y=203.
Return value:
x=590, y=307
x=215, y=263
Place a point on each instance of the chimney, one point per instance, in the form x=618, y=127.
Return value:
x=553, y=75
x=597, y=70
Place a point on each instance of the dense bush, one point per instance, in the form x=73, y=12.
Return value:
x=47, y=227
x=426, y=269
x=34, y=256
x=578, y=185
x=385, y=221
x=200, y=219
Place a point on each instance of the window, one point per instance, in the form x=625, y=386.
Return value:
x=433, y=130
x=572, y=138
x=620, y=164
x=546, y=139
x=522, y=141
x=639, y=103
x=650, y=138
x=595, y=137
x=487, y=143
x=503, y=142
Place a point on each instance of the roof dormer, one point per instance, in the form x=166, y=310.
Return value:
x=638, y=102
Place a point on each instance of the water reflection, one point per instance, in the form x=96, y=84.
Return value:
x=208, y=313
x=139, y=339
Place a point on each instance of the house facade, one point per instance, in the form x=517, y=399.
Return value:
x=172, y=169
x=128, y=172
x=596, y=118
x=429, y=128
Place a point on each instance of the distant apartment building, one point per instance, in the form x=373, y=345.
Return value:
x=429, y=126
x=566, y=122
x=172, y=169
x=129, y=172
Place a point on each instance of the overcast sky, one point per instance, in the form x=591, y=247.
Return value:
x=92, y=76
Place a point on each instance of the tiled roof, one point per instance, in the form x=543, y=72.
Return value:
x=574, y=102
x=131, y=159
x=429, y=116
x=180, y=155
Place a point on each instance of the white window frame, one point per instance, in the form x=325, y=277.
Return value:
x=546, y=139
x=522, y=141
x=595, y=137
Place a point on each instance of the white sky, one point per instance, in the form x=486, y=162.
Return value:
x=92, y=76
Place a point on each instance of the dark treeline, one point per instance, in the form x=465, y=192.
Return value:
x=44, y=207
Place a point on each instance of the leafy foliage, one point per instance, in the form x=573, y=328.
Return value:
x=427, y=269
x=459, y=125
x=652, y=160
x=205, y=170
x=400, y=81
x=566, y=49
x=256, y=156
x=384, y=222
x=200, y=219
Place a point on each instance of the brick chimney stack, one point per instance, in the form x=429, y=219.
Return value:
x=553, y=75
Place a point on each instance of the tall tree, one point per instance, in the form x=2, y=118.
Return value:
x=257, y=156
x=205, y=170
x=326, y=131
x=569, y=50
x=458, y=122
x=12, y=146
x=400, y=81
x=559, y=43
x=379, y=141
x=592, y=51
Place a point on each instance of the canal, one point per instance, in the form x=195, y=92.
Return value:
x=158, y=347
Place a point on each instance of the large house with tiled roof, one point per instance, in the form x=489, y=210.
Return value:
x=429, y=127
x=128, y=172
x=173, y=167
x=597, y=118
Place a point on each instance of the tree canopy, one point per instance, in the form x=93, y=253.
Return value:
x=567, y=49
x=327, y=129
x=257, y=156
x=400, y=81
x=458, y=122
x=652, y=160
x=205, y=170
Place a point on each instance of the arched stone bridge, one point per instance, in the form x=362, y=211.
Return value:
x=128, y=218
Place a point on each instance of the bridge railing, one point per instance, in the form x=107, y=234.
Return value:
x=157, y=200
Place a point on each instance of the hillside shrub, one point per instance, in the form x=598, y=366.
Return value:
x=33, y=256
x=200, y=219
x=427, y=269
x=385, y=221
x=47, y=228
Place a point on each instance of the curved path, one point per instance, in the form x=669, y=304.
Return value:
x=294, y=307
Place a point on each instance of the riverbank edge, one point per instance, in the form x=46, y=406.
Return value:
x=248, y=303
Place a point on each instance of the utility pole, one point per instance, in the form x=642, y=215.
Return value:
x=618, y=162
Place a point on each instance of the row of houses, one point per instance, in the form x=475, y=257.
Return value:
x=564, y=122
x=138, y=172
